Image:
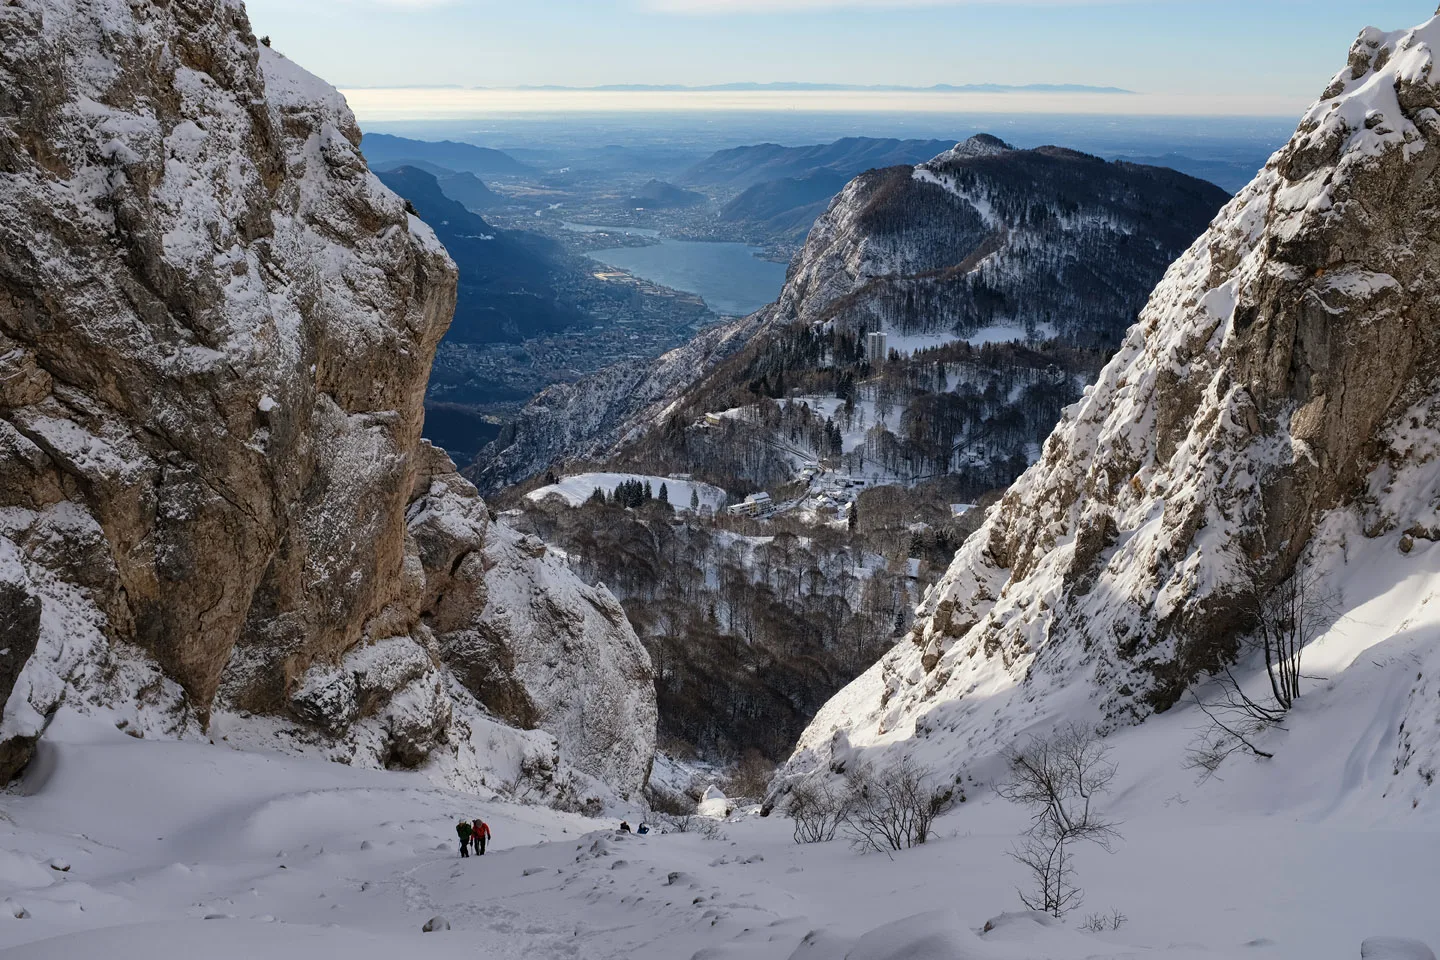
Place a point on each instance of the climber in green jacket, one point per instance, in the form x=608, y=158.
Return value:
x=463, y=829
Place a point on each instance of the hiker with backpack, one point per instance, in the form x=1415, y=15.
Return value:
x=479, y=833
x=464, y=829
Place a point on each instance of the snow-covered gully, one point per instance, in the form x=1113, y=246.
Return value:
x=143, y=850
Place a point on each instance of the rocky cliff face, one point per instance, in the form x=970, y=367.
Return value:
x=1275, y=405
x=215, y=333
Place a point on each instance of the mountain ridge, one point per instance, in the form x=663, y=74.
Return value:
x=902, y=245
x=754, y=163
x=1271, y=416
x=507, y=292
x=384, y=148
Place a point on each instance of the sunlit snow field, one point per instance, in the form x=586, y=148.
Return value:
x=185, y=849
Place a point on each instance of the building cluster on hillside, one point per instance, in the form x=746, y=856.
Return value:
x=755, y=505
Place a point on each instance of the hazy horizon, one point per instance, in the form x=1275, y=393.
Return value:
x=1224, y=57
x=372, y=104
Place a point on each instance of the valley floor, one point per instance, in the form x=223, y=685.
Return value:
x=182, y=849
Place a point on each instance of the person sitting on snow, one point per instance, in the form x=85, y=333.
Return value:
x=643, y=829
x=479, y=833
x=624, y=826
x=463, y=828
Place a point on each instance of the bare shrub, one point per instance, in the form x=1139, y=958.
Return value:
x=887, y=809
x=570, y=798
x=817, y=809
x=1101, y=922
x=678, y=822
x=1059, y=778
x=690, y=823
x=1230, y=728
x=534, y=779
x=895, y=807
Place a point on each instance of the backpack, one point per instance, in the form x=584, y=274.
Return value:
x=463, y=828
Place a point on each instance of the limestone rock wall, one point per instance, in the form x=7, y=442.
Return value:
x=216, y=328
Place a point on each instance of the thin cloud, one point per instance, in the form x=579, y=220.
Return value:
x=401, y=4
x=703, y=7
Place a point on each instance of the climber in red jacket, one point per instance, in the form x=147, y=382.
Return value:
x=479, y=833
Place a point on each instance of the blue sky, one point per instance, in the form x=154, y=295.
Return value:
x=1286, y=48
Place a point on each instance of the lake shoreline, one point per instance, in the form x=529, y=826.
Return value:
x=734, y=279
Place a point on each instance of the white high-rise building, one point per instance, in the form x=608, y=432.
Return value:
x=876, y=348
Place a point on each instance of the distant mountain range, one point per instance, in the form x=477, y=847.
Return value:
x=980, y=241
x=839, y=87
x=384, y=150
x=785, y=208
x=849, y=156
x=468, y=189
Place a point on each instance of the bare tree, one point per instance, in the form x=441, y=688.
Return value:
x=1059, y=778
x=1283, y=622
x=1286, y=620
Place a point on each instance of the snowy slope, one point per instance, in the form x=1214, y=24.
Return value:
x=1274, y=409
x=293, y=859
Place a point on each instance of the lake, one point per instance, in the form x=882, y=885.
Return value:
x=727, y=276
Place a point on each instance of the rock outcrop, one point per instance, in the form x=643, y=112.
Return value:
x=215, y=333
x=1276, y=401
